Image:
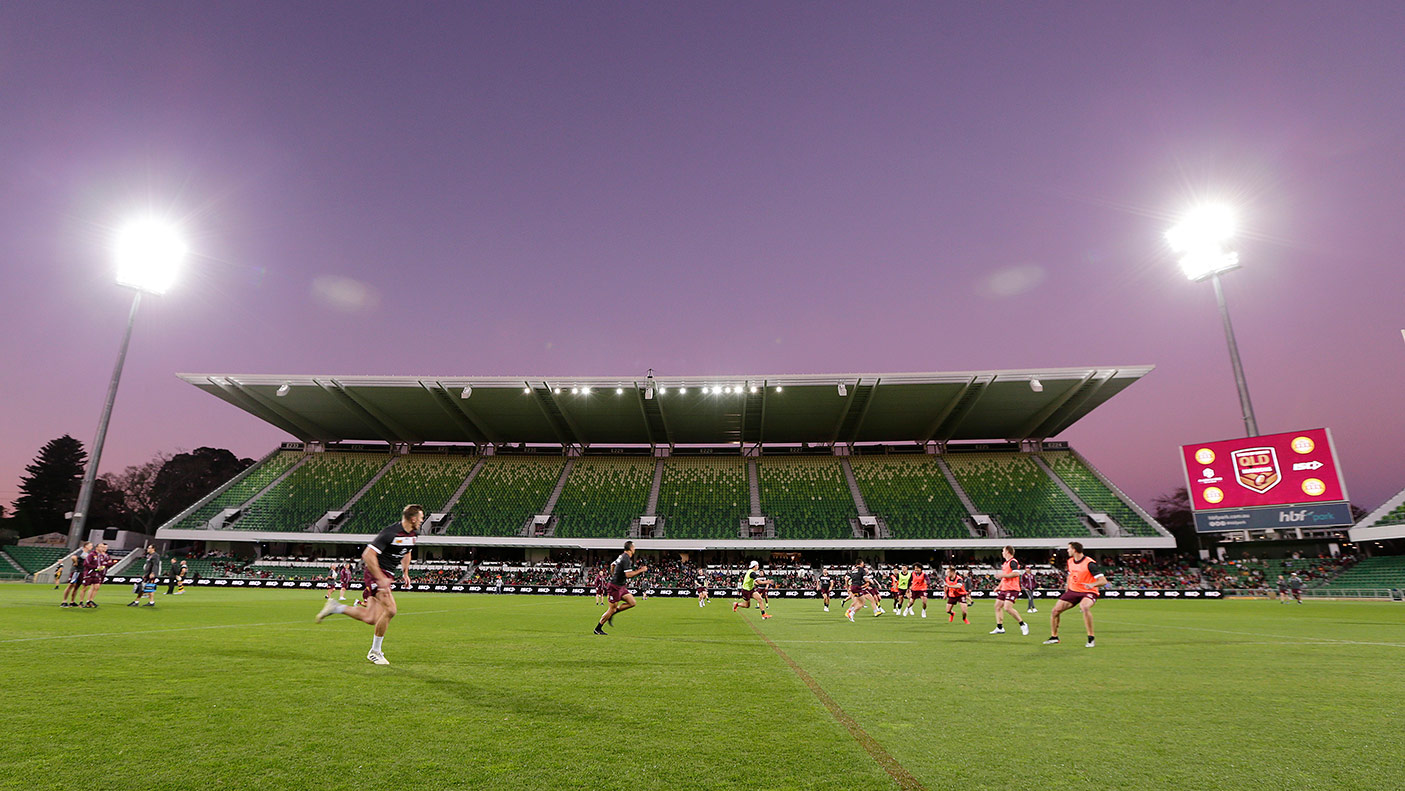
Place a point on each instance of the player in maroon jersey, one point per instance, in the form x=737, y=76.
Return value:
x=95, y=567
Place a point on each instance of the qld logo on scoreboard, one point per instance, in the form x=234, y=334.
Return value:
x=1257, y=469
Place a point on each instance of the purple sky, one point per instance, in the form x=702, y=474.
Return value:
x=592, y=188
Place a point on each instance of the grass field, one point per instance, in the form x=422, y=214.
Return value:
x=239, y=689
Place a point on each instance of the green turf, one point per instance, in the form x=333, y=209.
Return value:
x=239, y=689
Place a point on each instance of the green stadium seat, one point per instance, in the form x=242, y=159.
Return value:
x=1372, y=573
x=33, y=559
x=1011, y=487
x=427, y=480
x=704, y=496
x=1095, y=493
x=807, y=496
x=325, y=483
x=603, y=494
x=911, y=495
x=505, y=492
x=239, y=493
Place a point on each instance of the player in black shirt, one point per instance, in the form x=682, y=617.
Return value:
x=823, y=585
x=392, y=547
x=621, y=571
x=702, y=588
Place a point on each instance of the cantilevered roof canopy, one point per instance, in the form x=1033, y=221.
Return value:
x=688, y=410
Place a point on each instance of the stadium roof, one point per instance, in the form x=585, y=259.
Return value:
x=684, y=410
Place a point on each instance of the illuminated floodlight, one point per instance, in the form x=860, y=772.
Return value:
x=663, y=389
x=558, y=391
x=619, y=391
x=684, y=390
x=526, y=391
x=575, y=391
x=1203, y=241
x=585, y=391
x=753, y=388
x=466, y=392
x=283, y=389
x=778, y=388
x=148, y=253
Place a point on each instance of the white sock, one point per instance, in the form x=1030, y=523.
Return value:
x=376, y=644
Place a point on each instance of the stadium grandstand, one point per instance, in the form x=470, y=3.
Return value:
x=960, y=460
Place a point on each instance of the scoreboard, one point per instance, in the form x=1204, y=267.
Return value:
x=1270, y=482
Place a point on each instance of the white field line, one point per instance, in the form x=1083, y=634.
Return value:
x=1291, y=638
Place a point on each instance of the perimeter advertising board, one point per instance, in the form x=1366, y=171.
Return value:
x=1270, y=482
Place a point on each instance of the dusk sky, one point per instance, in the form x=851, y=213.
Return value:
x=562, y=189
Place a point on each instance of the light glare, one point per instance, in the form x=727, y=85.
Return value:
x=1203, y=239
x=148, y=253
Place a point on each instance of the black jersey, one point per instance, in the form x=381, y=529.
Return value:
x=622, y=564
x=824, y=582
x=702, y=580
x=391, y=545
x=857, y=577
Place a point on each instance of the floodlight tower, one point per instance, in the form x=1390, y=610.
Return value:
x=1203, y=241
x=148, y=253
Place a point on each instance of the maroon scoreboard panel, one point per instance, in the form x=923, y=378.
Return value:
x=1273, y=481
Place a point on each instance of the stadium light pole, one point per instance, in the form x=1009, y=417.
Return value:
x=1202, y=239
x=148, y=253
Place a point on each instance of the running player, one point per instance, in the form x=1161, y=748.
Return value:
x=75, y=575
x=1296, y=583
x=95, y=567
x=333, y=580
x=1282, y=590
x=702, y=588
x=1084, y=580
x=1028, y=584
x=956, y=593
x=750, y=579
x=823, y=585
x=621, y=571
x=1007, y=592
x=344, y=578
x=862, y=590
x=392, y=547
x=919, y=589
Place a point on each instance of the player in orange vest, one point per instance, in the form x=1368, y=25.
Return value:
x=918, y=589
x=1007, y=590
x=1084, y=580
x=956, y=593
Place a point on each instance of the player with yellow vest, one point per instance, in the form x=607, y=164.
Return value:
x=1007, y=590
x=748, y=586
x=1081, y=591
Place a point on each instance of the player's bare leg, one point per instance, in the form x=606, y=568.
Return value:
x=1059, y=607
x=1087, y=607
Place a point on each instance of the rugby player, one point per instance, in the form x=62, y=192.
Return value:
x=600, y=580
x=75, y=575
x=956, y=593
x=862, y=590
x=621, y=571
x=1084, y=580
x=1282, y=590
x=823, y=585
x=919, y=589
x=750, y=579
x=1296, y=583
x=702, y=588
x=333, y=579
x=344, y=577
x=392, y=546
x=904, y=600
x=95, y=567
x=150, y=570
x=1007, y=592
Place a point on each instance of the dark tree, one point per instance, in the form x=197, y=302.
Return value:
x=1172, y=510
x=49, y=488
x=1358, y=513
x=186, y=477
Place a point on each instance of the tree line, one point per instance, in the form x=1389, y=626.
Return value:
x=140, y=497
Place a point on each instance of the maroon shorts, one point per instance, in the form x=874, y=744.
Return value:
x=1077, y=597
x=747, y=594
x=371, y=586
x=1007, y=595
x=955, y=599
x=872, y=592
x=94, y=579
x=616, y=592
x=917, y=594
x=701, y=591
x=856, y=590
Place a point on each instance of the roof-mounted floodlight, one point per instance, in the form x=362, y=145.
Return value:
x=843, y=391
x=466, y=392
x=1036, y=385
x=283, y=389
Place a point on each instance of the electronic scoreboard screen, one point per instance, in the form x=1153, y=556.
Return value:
x=1269, y=482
